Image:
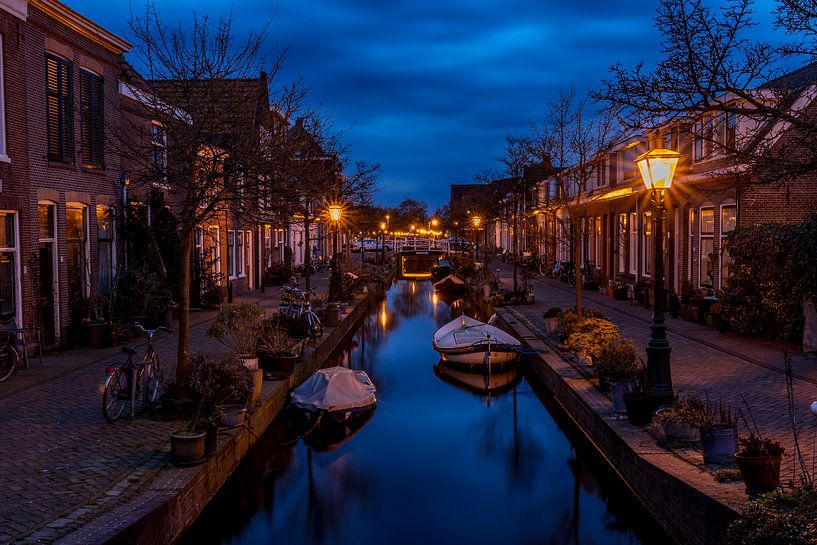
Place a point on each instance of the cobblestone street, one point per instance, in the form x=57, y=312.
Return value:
x=61, y=462
x=709, y=364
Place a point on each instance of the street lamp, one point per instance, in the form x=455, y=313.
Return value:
x=383, y=247
x=334, y=278
x=657, y=167
x=476, y=220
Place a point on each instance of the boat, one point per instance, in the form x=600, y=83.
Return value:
x=468, y=342
x=481, y=384
x=450, y=285
x=440, y=270
x=337, y=392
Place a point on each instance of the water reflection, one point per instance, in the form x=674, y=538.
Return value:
x=444, y=459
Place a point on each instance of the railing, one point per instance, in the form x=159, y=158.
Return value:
x=419, y=244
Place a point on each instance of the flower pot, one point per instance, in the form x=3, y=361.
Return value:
x=719, y=445
x=257, y=383
x=332, y=314
x=620, y=294
x=211, y=441
x=277, y=364
x=187, y=448
x=684, y=311
x=551, y=325
x=94, y=332
x=232, y=416
x=618, y=388
x=249, y=363
x=760, y=474
x=639, y=407
x=678, y=430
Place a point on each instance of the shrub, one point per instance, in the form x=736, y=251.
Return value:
x=755, y=445
x=772, y=270
x=273, y=336
x=236, y=327
x=616, y=360
x=590, y=336
x=553, y=312
x=571, y=320
x=777, y=519
x=215, y=382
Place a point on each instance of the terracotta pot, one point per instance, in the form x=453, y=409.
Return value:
x=187, y=448
x=719, y=445
x=94, y=334
x=760, y=474
x=551, y=325
x=257, y=383
x=233, y=416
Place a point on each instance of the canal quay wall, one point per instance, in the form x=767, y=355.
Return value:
x=163, y=509
x=683, y=499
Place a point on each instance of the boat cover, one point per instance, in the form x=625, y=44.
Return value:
x=449, y=282
x=465, y=332
x=335, y=389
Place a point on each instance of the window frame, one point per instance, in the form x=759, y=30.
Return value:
x=86, y=284
x=705, y=236
x=112, y=240
x=65, y=110
x=4, y=158
x=647, y=234
x=231, y=254
x=633, y=244
x=17, y=280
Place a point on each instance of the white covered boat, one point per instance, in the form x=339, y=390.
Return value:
x=469, y=342
x=341, y=392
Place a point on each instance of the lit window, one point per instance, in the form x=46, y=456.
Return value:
x=706, y=270
x=105, y=254
x=648, y=244
x=3, y=152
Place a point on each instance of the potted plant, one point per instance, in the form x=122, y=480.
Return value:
x=620, y=290
x=95, y=322
x=680, y=422
x=618, y=368
x=640, y=406
x=236, y=327
x=277, y=354
x=277, y=273
x=213, y=383
x=719, y=434
x=552, y=319
x=759, y=460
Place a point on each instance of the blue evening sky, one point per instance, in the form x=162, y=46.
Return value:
x=429, y=89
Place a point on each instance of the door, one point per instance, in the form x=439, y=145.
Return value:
x=47, y=296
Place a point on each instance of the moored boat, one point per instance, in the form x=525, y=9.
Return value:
x=468, y=342
x=339, y=392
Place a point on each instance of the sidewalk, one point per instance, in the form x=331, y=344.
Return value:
x=707, y=363
x=61, y=462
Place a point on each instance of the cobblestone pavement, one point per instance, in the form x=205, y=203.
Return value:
x=60, y=460
x=707, y=363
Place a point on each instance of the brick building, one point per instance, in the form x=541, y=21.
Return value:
x=60, y=176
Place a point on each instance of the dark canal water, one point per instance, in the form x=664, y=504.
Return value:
x=436, y=463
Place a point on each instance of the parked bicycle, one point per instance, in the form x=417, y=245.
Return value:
x=129, y=381
x=297, y=304
x=8, y=354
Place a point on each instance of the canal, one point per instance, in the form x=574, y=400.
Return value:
x=440, y=461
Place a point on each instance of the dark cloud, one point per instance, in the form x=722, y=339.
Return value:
x=430, y=89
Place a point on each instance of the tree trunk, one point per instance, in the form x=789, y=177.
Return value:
x=182, y=354
x=577, y=257
x=515, y=243
x=307, y=255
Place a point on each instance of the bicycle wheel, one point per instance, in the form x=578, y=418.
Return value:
x=8, y=361
x=116, y=397
x=315, y=327
x=151, y=384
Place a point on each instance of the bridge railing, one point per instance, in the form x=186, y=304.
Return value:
x=420, y=244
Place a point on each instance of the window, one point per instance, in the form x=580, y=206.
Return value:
x=231, y=253
x=248, y=252
x=670, y=139
x=648, y=245
x=706, y=220
x=3, y=152
x=729, y=217
x=691, y=246
x=59, y=109
x=91, y=93
x=239, y=253
x=633, y=247
x=730, y=128
x=158, y=150
x=105, y=253
x=622, y=243
x=76, y=242
x=582, y=237
x=591, y=239
x=8, y=267
x=698, y=143
x=213, y=263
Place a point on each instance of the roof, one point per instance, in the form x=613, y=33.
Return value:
x=797, y=79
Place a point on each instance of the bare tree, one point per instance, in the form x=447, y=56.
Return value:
x=515, y=161
x=712, y=67
x=576, y=141
x=211, y=143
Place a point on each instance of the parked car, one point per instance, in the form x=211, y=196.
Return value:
x=372, y=245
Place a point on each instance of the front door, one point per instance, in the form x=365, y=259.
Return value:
x=47, y=307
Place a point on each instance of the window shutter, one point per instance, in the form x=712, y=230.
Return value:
x=59, y=109
x=92, y=125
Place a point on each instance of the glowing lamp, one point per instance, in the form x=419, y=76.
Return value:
x=477, y=220
x=382, y=225
x=434, y=222
x=334, y=212
x=657, y=167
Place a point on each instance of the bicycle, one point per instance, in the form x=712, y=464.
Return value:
x=8, y=355
x=299, y=306
x=125, y=383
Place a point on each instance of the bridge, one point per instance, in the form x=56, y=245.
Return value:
x=417, y=255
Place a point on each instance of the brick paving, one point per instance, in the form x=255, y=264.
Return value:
x=707, y=363
x=61, y=462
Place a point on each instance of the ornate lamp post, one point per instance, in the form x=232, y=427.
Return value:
x=476, y=220
x=334, y=278
x=383, y=246
x=657, y=167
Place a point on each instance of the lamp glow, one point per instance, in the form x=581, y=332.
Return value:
x=657, y=167
x=334, y=212
x=477, y=220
